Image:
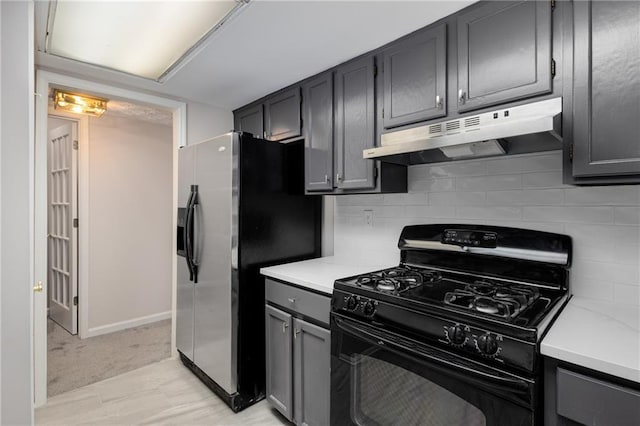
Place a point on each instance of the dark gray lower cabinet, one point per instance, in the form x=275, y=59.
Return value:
x=298, y=353
x=606, y=89
x=278, y=341
x=311, y=381
x=576, y=396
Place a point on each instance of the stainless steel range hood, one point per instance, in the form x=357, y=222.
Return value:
x=525, y=128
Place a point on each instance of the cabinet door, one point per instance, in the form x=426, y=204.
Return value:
x=278, y=348
x=415, y=72
x=606, y=126
x=250, y=120
x=318, y=133
x=311, y=372
x=282, y=115
x=504, y=53
x=355, y=123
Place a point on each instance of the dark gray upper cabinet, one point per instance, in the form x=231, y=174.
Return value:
x=278, y=358
x=606, y=89
x=355, y=123
x=415, y=72
x=249, y=120
x=318, y=133
x=282, y=115
x=504, y=53
x=311, y=366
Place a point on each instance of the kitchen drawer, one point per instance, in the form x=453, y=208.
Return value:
x=591, y=401
x=310, y=304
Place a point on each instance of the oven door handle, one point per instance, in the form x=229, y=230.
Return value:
x=392, y=342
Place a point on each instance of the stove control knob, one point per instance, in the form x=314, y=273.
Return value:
x=352, y=303
x=487, y=344
x=457, y=334
x=369, y=308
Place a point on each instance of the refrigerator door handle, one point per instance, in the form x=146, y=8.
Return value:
x=193, y=200
x=187, y=237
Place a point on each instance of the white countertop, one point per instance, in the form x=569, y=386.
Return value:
x=602, y=336
x=319, y=274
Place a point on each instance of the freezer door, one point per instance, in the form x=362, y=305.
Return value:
x=215, y=226
x=184, y=298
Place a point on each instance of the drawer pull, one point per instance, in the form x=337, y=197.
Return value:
x=292, y=300
x=284, y=327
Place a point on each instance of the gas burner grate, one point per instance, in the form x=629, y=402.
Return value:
x=394, y=273
x=491, y=298
x=387, y=285
x=368, y=280
x=431, y=277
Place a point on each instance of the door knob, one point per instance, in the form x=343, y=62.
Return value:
x=38, y=287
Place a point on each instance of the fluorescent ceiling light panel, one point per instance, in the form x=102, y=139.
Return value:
x=143, y=38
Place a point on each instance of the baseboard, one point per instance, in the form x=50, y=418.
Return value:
x=123, y=325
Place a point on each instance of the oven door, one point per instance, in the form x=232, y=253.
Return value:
x=381, y=378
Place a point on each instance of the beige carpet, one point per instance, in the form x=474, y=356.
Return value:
x=73, y=362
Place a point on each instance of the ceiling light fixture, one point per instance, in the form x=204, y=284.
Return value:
x=79, y=104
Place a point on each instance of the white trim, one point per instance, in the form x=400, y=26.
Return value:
x=123, y=325
x=44, y=80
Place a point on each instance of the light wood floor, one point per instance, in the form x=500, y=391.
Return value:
x=162, y=393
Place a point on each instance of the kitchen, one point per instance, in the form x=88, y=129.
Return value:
x=525, y=191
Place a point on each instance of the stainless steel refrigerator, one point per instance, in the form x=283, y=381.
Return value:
x=241, y=207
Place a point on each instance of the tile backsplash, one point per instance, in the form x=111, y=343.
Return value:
x=524, y=191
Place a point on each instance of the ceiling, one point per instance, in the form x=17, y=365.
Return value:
x=159, y=116
x=269, y=45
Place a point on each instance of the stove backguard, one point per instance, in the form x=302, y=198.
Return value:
x=536, y=257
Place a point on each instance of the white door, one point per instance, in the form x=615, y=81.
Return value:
x=62, y=226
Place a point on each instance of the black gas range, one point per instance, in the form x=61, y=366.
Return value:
x=467, y=305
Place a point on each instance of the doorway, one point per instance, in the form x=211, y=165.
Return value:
x=45, y=81
x=128, y=192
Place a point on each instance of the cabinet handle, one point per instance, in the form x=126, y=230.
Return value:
x=438, y=102
x=296, y=331
x=292, y=300
x=338, y=177
x=284, y=327
x=326, y=178
x=462, y=95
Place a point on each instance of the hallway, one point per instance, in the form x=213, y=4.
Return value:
x=73, y=362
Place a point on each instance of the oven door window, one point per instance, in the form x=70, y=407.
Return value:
x=385, y=394
x=378, y=378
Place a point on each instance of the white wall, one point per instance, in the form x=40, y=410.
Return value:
x=130, y=213
x=521, y=191
x=205, y=122
x=16, y=210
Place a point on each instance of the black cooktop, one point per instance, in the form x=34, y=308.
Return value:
x=505, y=301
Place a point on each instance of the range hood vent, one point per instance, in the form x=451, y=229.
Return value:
x=525, y=128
